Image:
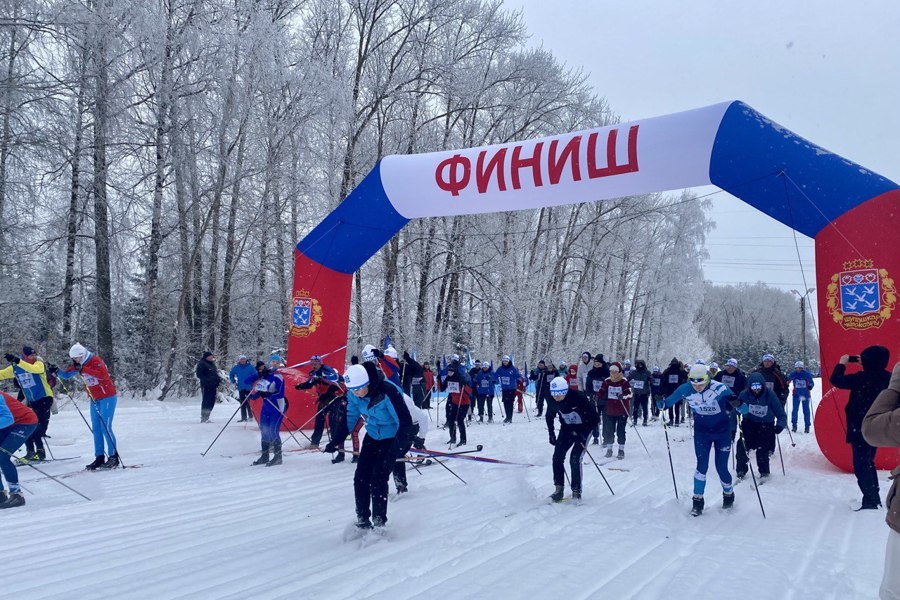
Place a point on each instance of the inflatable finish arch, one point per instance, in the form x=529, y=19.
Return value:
x=852, y=213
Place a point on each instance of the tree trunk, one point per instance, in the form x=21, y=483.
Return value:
x=230, y=252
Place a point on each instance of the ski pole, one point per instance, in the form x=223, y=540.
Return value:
x=49, y=475
x=780, y=455
x=291, y=423
x=634, y=426
x=750, y=465
x=46, y=443
x=240, y=404
x=662, y=417
x=72, y=400
x=790, y=435
x=435, y=458
x=588, y=452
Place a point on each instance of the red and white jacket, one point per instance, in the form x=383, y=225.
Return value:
x=96, y=376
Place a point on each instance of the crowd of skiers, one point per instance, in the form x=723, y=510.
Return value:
x=24, y=418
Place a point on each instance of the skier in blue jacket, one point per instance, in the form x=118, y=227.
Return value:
x=243, y=375
x=270, y=388
x=484, y=382
x=508, y=377
x=764, y=420
x=388, y=426
x=803, y=383
x=711, y=403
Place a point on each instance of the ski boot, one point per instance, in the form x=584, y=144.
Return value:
x=40, y=454
x=621, y=454
x=461, y=443
x=763, y=477
x=98, y=462
x=741, y=475
x=727, y=499
x=313, y=446
x=379, y=521
x=697, y=508
x=264, y=457
x=363, y=523
x=576, y=494
x=609, y=452
x=112, y=463
x=402, y=488
x=338, y=459
x=794, y=428
x=15, y=499
x=3, y=496
x=355, y=459
x=596, y=442
x=276, y=456
x=557, y=495
x=481, y=419
x=806, y=429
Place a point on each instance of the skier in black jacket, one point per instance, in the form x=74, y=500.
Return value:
x=672, y=378
x=595, y=378
x=541, y=380
x=209, y=382
x=864, y=387
x=577, y=418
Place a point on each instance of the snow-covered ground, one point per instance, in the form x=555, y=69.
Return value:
x=185, y=526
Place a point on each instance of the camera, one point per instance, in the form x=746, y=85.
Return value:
x=853, y=359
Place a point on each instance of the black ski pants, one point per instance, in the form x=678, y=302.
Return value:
x=759, y=437
x=509, y=397
x=641, y=405
x=866, y=475
x=207, y=403
x=399, y=466
x=246, y=413
x=370, y=482
x=485, y=399
x=42, y=409
x=568, y=438
x=456, y=417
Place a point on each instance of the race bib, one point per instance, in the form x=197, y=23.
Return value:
x=656, y=381
x=90, y=380
x=759, y=410
x=728, y=380
x=504, y=380
x=770, y=385
x=614, y=393
x=673, y=378
x=597, y=385
x=453, y=387
x=572, y=418
x=417, y=380
x=799, y=384
x=637, y=384
x=484, y=384
x=704, y=406
x=26, y=380
x=262, y=386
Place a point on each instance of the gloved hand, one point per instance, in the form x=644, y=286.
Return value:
x=743, y=409
x=297, y=387
x=660, y=404
x=11, y=358
x=419, y=443
x=734, y=401
x=52, y=369
x=552, y=438
x=330, y=448
x=778, y=429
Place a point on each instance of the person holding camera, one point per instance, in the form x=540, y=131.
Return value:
x=881, y=427
x=864, y=386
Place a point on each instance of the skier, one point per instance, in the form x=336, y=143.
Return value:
x=209, y=382
x=713, y=369
x=594, y=382
x=428, y=380
x=243, y=375
x=571, y=375
x=415, y=439
x=616, y=391
x=577, y=419
x=626, y=369
x=712, y=404
x=639, y=378
x=657, y=391
x=765, y=420
x=508, y=376
x=325, y=381
x=803, y=383
x=413, y=379
x=584, y=365
x=484, y=382
x=17, y=424
x=270, y=388
x=732, y=376
x=475, y=370
x=864, y=387
x=542, y=379
x=31, y=376
x=388, y=424
x=775, y=379
x=672, y=378
x=457, y=402
x=102, y=392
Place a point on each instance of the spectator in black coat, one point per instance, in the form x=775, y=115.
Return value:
x=864, y=386
x=209, y=378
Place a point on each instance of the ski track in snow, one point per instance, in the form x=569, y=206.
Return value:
x=185, y=526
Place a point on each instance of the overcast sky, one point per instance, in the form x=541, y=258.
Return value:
x=829, y=70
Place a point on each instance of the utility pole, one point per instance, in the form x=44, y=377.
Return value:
x=803, y=319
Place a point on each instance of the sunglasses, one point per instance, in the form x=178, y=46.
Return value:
x=697, y=380
x=756, y=386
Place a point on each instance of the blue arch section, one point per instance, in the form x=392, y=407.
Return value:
x=752, y=154
x=356, y=229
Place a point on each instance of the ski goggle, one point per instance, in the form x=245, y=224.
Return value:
x=697, y=380
x=756, y=386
